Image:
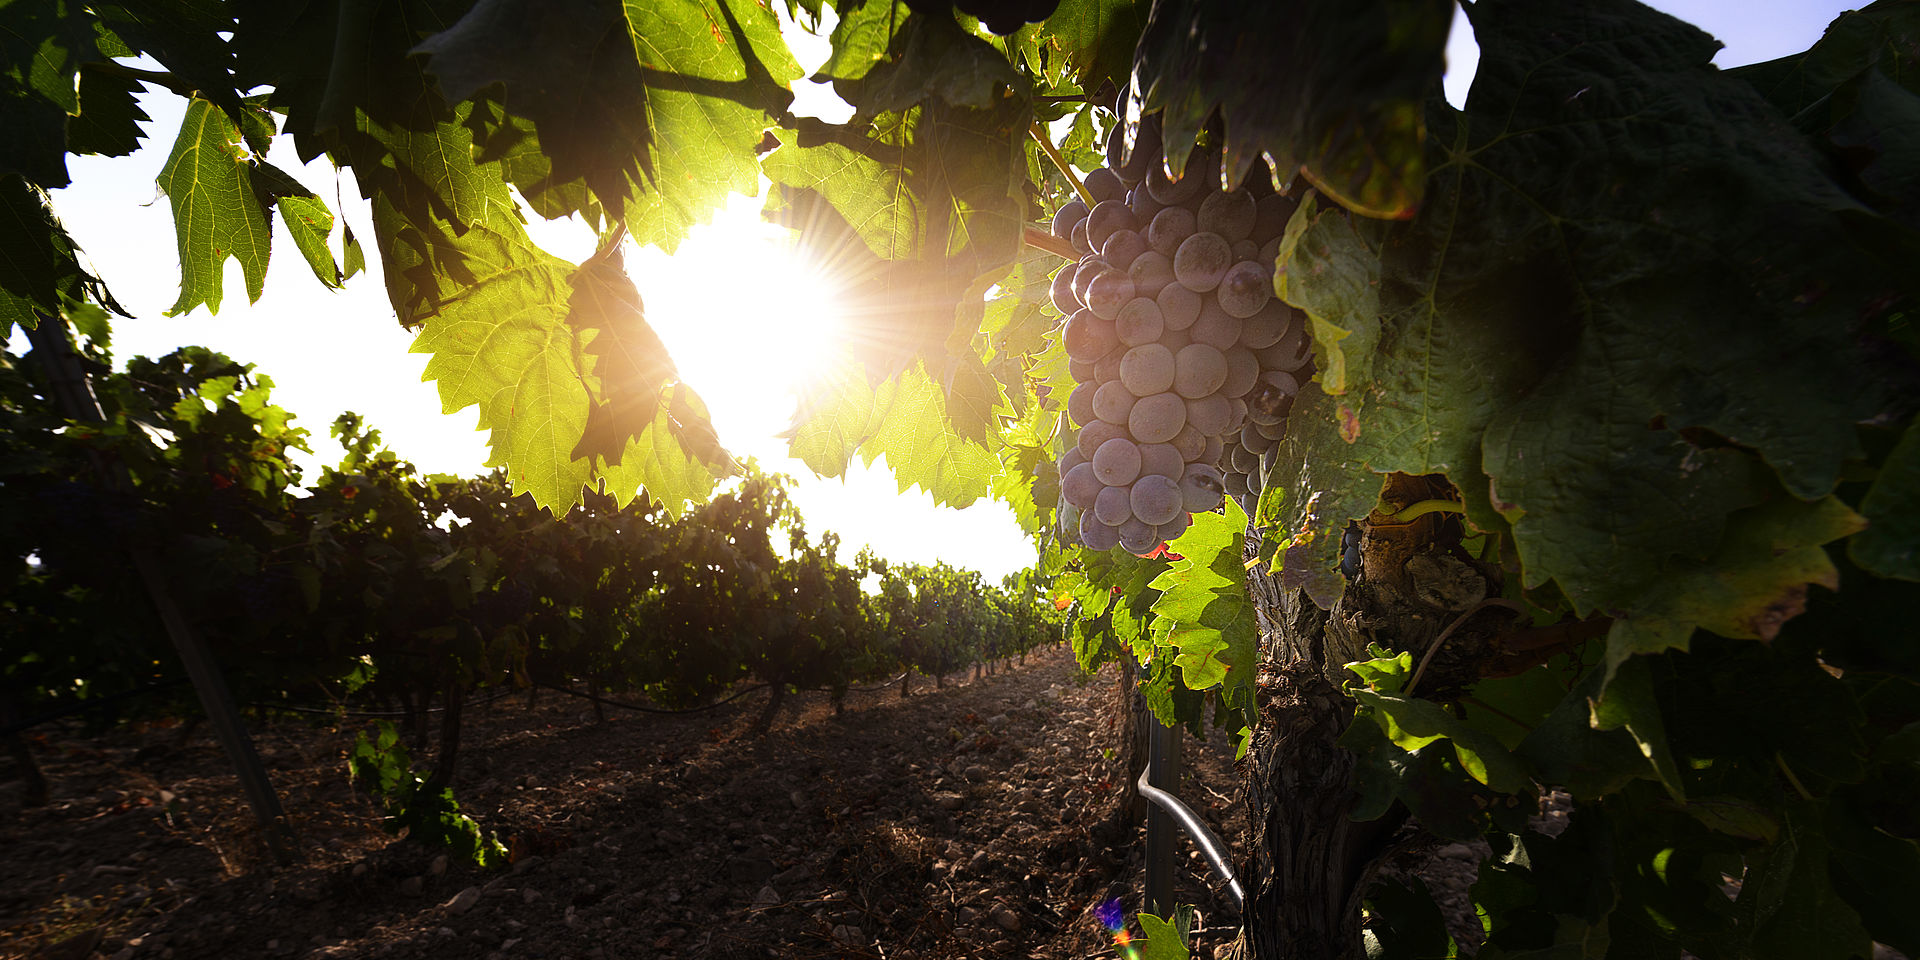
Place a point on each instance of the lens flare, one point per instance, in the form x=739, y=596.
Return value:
x=1113, y=917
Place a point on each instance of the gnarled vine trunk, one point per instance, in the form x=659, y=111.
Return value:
x=1310, y=863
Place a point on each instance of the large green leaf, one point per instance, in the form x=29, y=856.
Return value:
x=1572, y=330
x=109, y=120
x=866, y=187
x=903, y=418
x=1319, y=484
x=1329, y=87
x=930, y=58
x=310, y=223
x=208, y=181
x=862, y=37
x=38, y=267
x=1755, y=581
x=1204, y=613
x=1687, y=330
x=570, y=69
x=1411, y=723
x=638, y=404
x=715, y=72
x=1890, y=546
x=1095, y=38
x=42, y=47
x=500, y=340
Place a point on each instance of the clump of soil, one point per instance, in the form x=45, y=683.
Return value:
x=976, y=820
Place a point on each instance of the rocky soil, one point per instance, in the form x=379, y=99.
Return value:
x=977, y=820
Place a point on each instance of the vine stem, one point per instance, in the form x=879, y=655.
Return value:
x=1416, y=510
x=1439, y=641
x=1053, y=153
x=1042, y=240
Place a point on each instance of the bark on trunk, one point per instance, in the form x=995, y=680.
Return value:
x=419, y=703
x=443, y=765
x=1310, y=864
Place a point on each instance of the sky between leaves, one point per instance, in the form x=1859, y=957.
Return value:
x=738, y=314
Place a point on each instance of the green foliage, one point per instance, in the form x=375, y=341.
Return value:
x=382, y=767
x=215, y=213
x=1330, y=88
x=1652, y=320
x=1203, y=614
x=1159, y=940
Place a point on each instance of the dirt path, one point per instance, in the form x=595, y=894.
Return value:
x=971, y=821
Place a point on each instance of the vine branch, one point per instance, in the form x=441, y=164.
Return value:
x=1439, y=641
x=1066, y=169
x=1415, y=511
x=1042, y=240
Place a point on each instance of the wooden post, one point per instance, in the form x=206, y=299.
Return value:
x=74, y=398
x=1163, y=771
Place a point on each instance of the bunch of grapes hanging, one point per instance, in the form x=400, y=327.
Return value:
x=1185, y=363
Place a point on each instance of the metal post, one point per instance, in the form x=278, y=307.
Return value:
x=75, y=399
x=1163, y=772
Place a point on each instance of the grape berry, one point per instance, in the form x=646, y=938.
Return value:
x=1187, y=365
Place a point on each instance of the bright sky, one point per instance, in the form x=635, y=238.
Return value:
x=738, y=314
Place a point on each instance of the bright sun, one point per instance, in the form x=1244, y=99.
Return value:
x=746, y=319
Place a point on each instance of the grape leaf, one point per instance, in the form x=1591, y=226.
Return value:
x=1535, y=353
x=657, y=458
x=1878, y=39
x=43, y=46
x=500, y=340
x=634, y=390
x=310, y=223
x=1203, y=602
x=570, y=70
x=1890, y=546
x=1095, y=38
x=1115, y=602
x=1171, y=697
x=1158, y=940
x=915, y=257
x=1328, y=87
x=869, y=193
x=931, y=58
x=208, y=181
x=109, y=120
x=862, y=37
x=1330, y=269
x=186, y=37
x=1318, y=484
x=1567, y=750
x=1029, y=478
x=1627, y=702
x=1753, y=582
x=38, y=268
x=1411, y=723
x=904, y=418
x=715, y=71
x=1876, y=872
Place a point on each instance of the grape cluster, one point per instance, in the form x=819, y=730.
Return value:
x=1185, y=363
